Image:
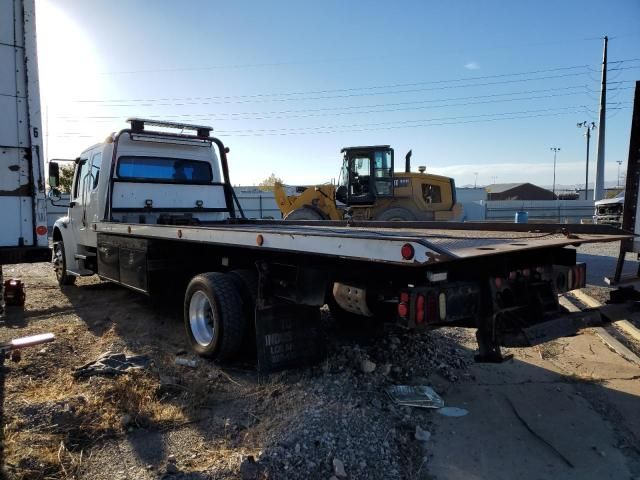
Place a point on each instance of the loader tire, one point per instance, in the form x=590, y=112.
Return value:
x=396, y=214
x=304, y=213
x=213, y=316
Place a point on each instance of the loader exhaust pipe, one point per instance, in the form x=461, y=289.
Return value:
x=407, y=162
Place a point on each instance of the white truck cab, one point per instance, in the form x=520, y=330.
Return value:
x=138, y=177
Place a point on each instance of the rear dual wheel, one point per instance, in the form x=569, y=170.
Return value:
x=217, y=312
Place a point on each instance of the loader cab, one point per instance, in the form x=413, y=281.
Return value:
x=366, y=174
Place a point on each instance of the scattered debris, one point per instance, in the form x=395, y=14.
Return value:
x=415, y=396
x=112, y=363
x=367, y=366
x=186, y=362
x=452, y=411
x=338, y=468
x=422, y=435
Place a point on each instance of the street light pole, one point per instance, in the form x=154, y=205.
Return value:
x=619, y=162
x=555, y=151
x=588, y=126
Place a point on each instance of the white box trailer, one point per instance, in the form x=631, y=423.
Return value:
x=23, y=220
x=23, y=216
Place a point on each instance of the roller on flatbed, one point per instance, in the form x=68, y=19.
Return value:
x=149, y=206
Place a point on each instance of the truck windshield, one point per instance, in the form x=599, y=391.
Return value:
x=160, y=169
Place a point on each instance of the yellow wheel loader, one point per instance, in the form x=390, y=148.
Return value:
x=369, y=189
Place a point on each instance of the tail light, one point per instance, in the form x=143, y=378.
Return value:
x=403, y=305
x=407, y=251
x=420, y=309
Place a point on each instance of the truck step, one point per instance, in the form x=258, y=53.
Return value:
x=79, y=256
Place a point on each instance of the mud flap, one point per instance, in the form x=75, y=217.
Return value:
x=287, y=336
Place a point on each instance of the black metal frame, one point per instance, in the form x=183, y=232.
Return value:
x=203, y=134
x=631, y=188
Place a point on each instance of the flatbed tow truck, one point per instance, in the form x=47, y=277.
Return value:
x=152, y=206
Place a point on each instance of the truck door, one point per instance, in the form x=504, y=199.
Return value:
x=92, y=204
x=77, y=204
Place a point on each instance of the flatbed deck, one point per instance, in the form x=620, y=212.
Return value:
x=377, y=241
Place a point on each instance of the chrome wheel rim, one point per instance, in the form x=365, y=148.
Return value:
x=58, y=260
x=201, y=319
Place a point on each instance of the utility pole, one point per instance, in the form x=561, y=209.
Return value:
x=588, y=126
x=555, y=151
x=619, y=162
x=475, y=182
x=598, y=191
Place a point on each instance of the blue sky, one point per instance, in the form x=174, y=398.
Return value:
x=484, y=87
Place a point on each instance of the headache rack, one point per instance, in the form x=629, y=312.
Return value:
x=138, y=125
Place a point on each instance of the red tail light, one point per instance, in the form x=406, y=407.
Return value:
x=420, y=309
x=404, y=297
x=403, y=310
x=407, y=251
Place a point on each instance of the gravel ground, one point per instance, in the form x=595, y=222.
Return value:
x=208, y=422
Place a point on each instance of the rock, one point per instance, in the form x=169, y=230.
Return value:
x=171, y=459
x=297, y=448
x=385, y=369
x=171, y=468
x=125, y=420
x=422, y=435
x=338, y=468
x=249, y=469
x=367, y=366
x=394, y=340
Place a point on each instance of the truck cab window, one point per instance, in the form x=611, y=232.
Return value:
x=78, y=186
x=96, y=162
x=164, y=170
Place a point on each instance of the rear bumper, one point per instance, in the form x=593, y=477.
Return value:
x=10, y=255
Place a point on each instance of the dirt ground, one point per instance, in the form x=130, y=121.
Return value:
x=568, y=409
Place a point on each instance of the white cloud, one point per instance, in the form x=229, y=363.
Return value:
x=472, y=66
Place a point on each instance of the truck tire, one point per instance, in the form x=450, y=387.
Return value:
x=60, y=265
x=305, y=213
x=213, y=316
x=395, y=214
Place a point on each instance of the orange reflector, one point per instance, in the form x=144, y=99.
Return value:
x=259, y=240
x=407, y=251
x=41, y=230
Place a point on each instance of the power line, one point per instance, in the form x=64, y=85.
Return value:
x=356, y=89
x=343, y=90
x=360, y=107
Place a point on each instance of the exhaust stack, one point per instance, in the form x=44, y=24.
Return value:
x=407, y=162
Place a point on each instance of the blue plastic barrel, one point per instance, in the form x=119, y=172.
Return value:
x=522, y=217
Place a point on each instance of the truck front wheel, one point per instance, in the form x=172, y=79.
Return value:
x=60, y=265
x=213, y=316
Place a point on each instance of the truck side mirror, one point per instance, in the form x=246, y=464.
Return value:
x=54, y=175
